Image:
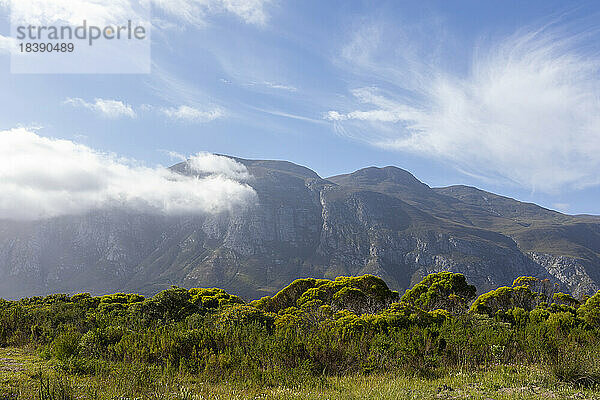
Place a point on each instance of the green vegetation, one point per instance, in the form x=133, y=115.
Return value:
x=443, y=290
x=316, y=338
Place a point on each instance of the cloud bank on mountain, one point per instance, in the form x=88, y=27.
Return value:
x=44, y=177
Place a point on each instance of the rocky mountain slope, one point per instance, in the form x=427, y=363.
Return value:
x=381, y=221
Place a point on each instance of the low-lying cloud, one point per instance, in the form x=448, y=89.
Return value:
x=526, y=111
x=207, y=163
x=44, y=177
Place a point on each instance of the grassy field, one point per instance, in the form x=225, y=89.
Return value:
x=25, y=375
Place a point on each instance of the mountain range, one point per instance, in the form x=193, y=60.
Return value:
x=381, y=221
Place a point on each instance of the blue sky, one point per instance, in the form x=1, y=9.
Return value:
x=502, y=95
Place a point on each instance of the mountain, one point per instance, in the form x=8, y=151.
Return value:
x=381, y=221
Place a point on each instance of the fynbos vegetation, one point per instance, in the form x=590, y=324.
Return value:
x=315, y=328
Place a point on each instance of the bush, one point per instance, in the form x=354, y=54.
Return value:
x=443, y=290
x=577, y=364
x=313, y=327
x=361, y=294
x=590, y=310
x=66, y=345
x=504, y=299
x=213, y=298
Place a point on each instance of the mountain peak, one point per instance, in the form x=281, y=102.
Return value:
x=376, y=176
x=258, y=167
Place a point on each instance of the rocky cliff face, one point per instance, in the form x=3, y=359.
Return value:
x=570, y=272
x=379, y=221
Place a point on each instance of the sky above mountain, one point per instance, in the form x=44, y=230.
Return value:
x=499, y=95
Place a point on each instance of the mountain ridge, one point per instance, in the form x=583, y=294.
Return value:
x=382, y=221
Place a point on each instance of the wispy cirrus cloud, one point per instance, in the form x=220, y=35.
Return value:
x=82, y=179
x=190, y=114
x=42, y=12
x=115, y=109
x=526, y=110
x=274, y=85
x=107, y=108
x=191, y=12
x=195, y=12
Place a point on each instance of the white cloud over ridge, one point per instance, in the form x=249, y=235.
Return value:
x=44, y=177
x=107, y=108
x=527, y=110
x=207, y=163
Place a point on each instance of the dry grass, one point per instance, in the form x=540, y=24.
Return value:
x=20, y=379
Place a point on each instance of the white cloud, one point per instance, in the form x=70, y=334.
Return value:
x=527, y=110
x=112, y=109
x=387, y=111
x=191, y=114
x=44, y=12
x=271, y=85
x=291, y=116
x=280, y=86
x=196, y=11
x=44, y=177
x=207, y=163
x=7, y=44
x=251, y=11
x=101, y=12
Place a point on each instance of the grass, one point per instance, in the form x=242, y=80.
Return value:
x=24, y=375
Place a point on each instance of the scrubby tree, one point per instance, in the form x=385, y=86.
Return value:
x=542, y=286
x=213, y=298
x=241, y=314
x=564, y=299
x=442, y=290
x=506, y=298
x=169, y=305
x=590, y=310
x=359, y=294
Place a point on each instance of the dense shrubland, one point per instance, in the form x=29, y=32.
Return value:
x=315, y=328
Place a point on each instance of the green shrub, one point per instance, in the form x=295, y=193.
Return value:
x=442, y=290
x=66, y=345
x=312, y=328
x=361, y=294
x=506, y=298
x=577, y=364
x=590, y=310
x=55, y=388
x=245, y=315
x=213, y=298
